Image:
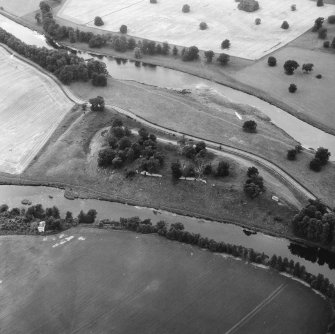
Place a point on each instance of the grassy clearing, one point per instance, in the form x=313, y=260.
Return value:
x=32, y=106
x=19, y=7
x=314, y=98
x=210, y=120
x=165, y=21
x=137, y=283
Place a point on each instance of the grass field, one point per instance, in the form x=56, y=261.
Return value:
x=121, y=282
x=165, y=21
x=314, y=98
x=31, y=107
x=19, y=7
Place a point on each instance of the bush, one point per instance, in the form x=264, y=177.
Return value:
x=323, y=155
x=290, y=66
x=176, y=170
x=223, y=59
x=250, y=126
x=307, y=67
x=292, y=88
x=293, y=8
x=186, y=9
x=285, y=25
x=258, y=21
x=272, y=61
x=209, y=56
x=225, y=44
x=322, y=33
x=331, y=19
x=326, y=44
x=291, y=154
x=320, y=3
x=153, y=1
x=315, y=165
x=203, y=26
x=123, y=29
x=222, y=169
x=98, y=21
x=318, y=76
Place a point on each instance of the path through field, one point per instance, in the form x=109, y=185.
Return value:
x=31, y=107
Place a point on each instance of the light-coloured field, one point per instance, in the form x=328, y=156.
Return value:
x=97, y=281
x=31, y=107
x=19, y=7
x=165, y=21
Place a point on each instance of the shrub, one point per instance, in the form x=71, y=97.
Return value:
x=326, y=44
x=285, y=25
x=258, y=21
x=123, y=29
x=318, y=24
x=223, y=59
x=250, y=126
x=222, y=169
x=322, y=33
x=272, y=61
x=315, y=165
x=209, y=56
x=225, y=44
x=292, y=88
x=307, y=67
x=186, y=9
x=293, y=8
x=290, y=66
x=153, y=1
x=323, y=155
x=291, y=154
x=318, y=76
x=331, y=19
x=176, y=170
x=203, y=26
x=320, y=3
x=98, y=21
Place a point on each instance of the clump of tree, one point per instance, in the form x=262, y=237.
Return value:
x=186, y=8
x=292, y=88
x=290, y=66
x=123, y=29
x=285, y=25
x=225, y=44
x=321, y=158
x=203, y=26
x=97, y=103
x=254, y=185
x=272, y=61
x=87, y=218
x=98, y=21
x=223, y=59
x=209, y=55
x=192, y=53
x=250, y=126
x=315, y=222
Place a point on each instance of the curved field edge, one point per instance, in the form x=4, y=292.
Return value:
x=112, y=277
x=32, y=107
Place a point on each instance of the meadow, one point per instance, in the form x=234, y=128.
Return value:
x=165, y=21
x=31, y=107
x=91, y=280
x=19, y=7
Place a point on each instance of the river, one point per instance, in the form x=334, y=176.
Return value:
x=122, y=69
x=315, y=260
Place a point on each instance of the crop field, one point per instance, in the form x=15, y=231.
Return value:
x=165, y=21
x=19, y=7
x=95, y=281
x=31, y=107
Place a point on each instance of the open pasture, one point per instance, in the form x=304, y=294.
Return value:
x=31, y=107
x=20, y=7
x=165, y=21
x=95, y=281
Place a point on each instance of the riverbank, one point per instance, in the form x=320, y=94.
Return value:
x=227, y=75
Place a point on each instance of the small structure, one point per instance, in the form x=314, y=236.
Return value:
x=41, y=227
x=248, y=5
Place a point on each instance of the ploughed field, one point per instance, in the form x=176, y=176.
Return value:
x=31, y=107
x=165, y=21
x=98, y=281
